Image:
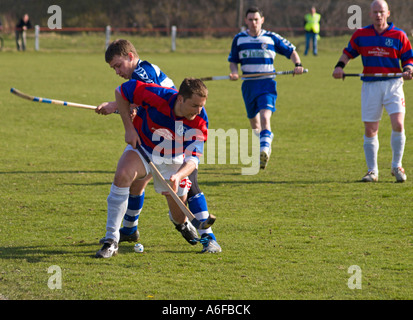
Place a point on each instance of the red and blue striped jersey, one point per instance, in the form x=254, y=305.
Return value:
x=381, y=53
x=161, y=132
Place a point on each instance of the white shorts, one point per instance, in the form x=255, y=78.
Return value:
x=166, y=170
x=376, y=95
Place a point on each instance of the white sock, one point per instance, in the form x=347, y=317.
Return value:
x=371, y=149
x=398, y=141
x=117, y=205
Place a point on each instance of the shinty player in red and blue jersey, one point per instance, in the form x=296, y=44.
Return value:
x=381, y=53
x=161, y=109
x=156, y=117
x=382, y=47
x=122, y=56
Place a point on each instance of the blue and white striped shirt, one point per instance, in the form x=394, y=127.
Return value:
x=150, y=73
x=257, y=54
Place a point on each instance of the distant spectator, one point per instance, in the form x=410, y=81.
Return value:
x=312, y=30
x=21, y=29
x=1, y=39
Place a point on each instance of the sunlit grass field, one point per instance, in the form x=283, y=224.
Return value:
x=290, y=232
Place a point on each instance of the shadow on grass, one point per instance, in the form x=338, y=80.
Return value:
x=39, y=253
x=35, y=254
x=289, y=182
x=241, y=180
x=109, y=182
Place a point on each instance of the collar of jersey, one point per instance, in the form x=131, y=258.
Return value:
x=391, y=26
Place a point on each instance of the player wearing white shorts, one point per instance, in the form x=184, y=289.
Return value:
x=168, y=114
x=166, y=168
x=122, y=56
x=382, y=47
x=379, y=95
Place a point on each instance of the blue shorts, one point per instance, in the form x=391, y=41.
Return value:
x=259, y=95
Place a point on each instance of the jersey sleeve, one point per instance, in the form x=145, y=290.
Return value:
x=234, y=54
x=132, y=91
x=150, y=73
x=352, y=51
x=407, y=52
x=282, y=45
x=126, y=89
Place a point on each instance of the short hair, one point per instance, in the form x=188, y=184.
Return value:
x=191, y=86
x=380, y=1
x=254, y=10
x=121, y=48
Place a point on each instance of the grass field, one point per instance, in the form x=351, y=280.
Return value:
x=289, y=232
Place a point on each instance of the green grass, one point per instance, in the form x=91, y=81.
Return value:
x=290, y=232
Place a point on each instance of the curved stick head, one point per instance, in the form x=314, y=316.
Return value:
x=204, y=224
x=208, y=222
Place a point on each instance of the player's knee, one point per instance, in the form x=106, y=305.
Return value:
x=137, y=188
x=398, y=126
x=371, y=129
x=124, y=177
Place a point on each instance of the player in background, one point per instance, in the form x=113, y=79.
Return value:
x=382, y=47
x=255, y=49
x=122, y=56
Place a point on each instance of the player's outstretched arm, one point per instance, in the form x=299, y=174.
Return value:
x=131, y=136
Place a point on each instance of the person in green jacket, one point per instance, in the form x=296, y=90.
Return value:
x=312, y=30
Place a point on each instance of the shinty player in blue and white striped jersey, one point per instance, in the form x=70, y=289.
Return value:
x=255, y=49
x=122, y=56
